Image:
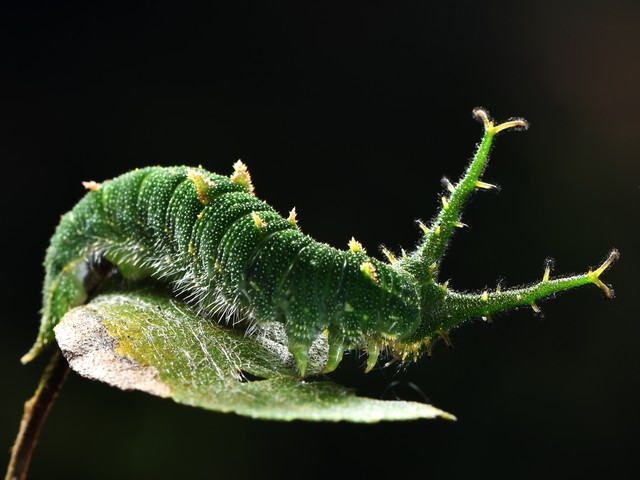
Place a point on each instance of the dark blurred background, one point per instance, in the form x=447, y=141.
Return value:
x=352, y=112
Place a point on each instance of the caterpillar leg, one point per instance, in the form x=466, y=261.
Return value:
x=299, y=346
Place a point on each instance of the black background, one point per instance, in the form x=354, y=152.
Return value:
x=352, y=112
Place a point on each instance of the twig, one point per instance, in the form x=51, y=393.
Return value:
x=35, y=413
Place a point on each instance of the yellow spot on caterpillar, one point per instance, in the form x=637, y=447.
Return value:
x=482, y=115
x=518, y=123
x=444, y=286
x=257, y=220
x=202, y=184
x=460, y=225
x=448, y=184
x=492, y=129
x=484, y=185
x=293, y=218
x=424, y=228
x=348, y=307
x=218, y=267
x=445, y=203
x=406, y=350
x=369, y=270
x=389, y=336
x=595, y=276
x=91, y=185
x=356, y=246
x=392, y=259
x=535, y=307
x=547, y=272
x=433, y=267
x=613, y=256
x=438, y=230
x=241, y=176
x=200, y=215
x=404, y=253
x=485, y=296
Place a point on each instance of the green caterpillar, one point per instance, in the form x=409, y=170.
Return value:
x=231, y=254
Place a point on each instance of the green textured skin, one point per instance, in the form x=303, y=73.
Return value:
x=151, y=223
x=231, y=254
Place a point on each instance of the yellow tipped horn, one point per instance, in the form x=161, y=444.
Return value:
x=594, y=276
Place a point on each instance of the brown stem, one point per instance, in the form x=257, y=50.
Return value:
x=35, y=413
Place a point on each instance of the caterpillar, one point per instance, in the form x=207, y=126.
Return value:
x=230, y=254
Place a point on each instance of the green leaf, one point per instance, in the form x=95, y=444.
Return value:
x=146, y=340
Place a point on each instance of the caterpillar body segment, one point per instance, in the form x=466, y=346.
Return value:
x=232, y=255
x=226, y=252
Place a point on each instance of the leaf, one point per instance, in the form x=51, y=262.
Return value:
x=146, y=340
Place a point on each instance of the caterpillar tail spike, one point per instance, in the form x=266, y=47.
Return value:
x=214, y=243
